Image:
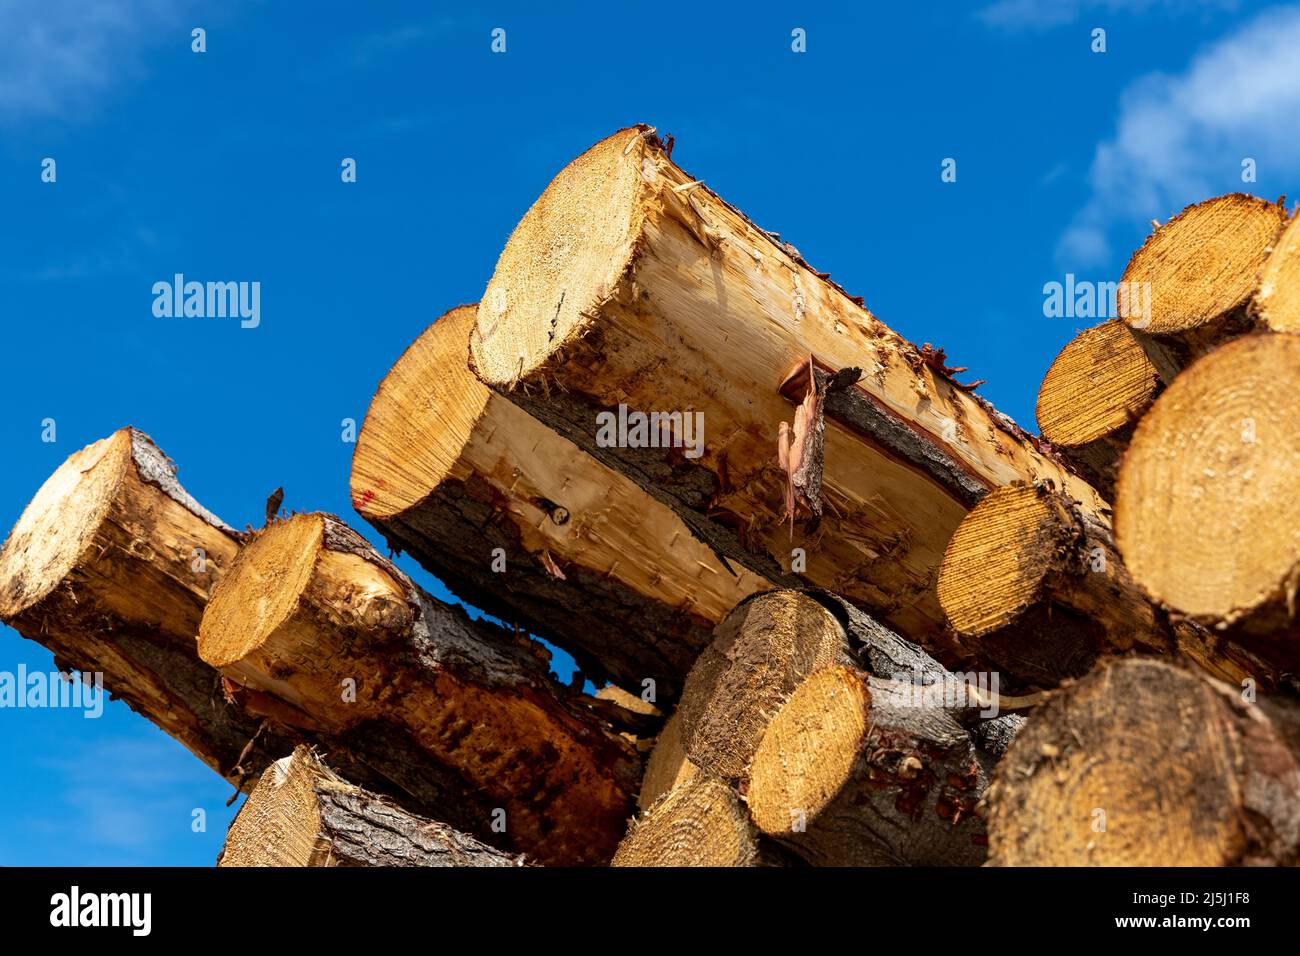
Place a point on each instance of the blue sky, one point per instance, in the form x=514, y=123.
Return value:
x=225, y=166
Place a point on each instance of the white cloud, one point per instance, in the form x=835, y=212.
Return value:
x=60, y=55
x=1182, y=138
x=1043, y=14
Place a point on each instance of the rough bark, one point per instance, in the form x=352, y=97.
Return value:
x=1206, y=511
x=657, y=295
x=1091, y=398
x=449, y=471
x=856, y=770
x=313, y=619
x=1143, y=763
x=303, y=814
x=1198, y=272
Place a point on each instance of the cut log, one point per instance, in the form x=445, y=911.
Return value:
x=1277, y=299
x=667, y=766
x=1190, y=284
x=303, y=814
x=858, y=771
x=448, y=471
x=1207, y=513
x=630, y=284
x=1035, y=584
x=1097, y=388
x=700, y=822
x=110, y=567
x=764, y=649
x=1142, y=763
x=312, y=618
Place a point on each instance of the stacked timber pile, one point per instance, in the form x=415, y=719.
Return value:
x=840, y=610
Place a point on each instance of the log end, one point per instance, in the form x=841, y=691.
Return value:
x=279, y=824
x=1277, y=300
x=419, y=421
x=1101, y=382
x=809, y=750
x=699, y=823
x=1134, y=765
x=998, y=559
x=1200, y=265
x=1206, y=510
x=564, y=257
x=59, y=523
x=262, y=590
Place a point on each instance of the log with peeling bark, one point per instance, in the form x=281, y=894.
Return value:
x=700, y=822
x=1091, y=398
x=1276, y=303
x=1143, y=763
x=448, y=471
x=303, y=814
x=314, y=621
x=1207, y=514
x=856, y=770
x=1036, y=584
x=110, y=567
x=1189, y=286
x=628, y=283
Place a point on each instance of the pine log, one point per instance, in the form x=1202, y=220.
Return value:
x=310, y=616
x=110, y=567
x=667, y=766
x=303, y=814
x=1197, y=274
x=448, y=471
x=1206, y=514
x=1143, y=763
x=761, y=652
x=1036, y=585
x=629, y=283
x=701, y=822
x=855, y=770
x=1276, y=303
x=1091, y=398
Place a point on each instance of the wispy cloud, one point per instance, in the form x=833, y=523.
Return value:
x=1045, y=14
x=58, y=56
x=1182, y=138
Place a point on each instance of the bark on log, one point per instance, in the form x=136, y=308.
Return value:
x=1035, y=584
x=448, y=471
x=1198, y=273
x=855, y=770
x=303, y=814
x=110, y=567
x=1142, y=763
x=629, y=283
x=701, y=822
x=1091, y=398
x=1207, y=513
x=311, y=617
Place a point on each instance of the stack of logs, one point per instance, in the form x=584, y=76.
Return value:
x=843, y=612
